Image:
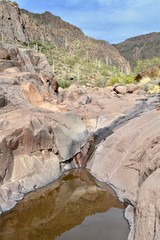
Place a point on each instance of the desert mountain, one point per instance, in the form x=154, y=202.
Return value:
x=23, y=27
x=141, y=47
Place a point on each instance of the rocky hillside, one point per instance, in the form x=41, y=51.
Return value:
x=50, y=28
x=114, y=132
x=141, y=47
x=47, y=28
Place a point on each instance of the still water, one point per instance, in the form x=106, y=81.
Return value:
x=75, y=207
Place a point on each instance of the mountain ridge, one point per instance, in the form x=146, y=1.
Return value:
x=146, y=46
x=46, y=27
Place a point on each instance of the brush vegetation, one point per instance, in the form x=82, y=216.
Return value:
x=76, y=65
x=73, y=65
x=142, y=65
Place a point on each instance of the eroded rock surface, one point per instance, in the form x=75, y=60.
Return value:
x=129, y=161
x=34, y=140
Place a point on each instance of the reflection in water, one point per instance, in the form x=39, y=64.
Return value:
x=104, y=226
x=59, y=207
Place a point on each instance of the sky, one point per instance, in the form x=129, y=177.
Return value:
x=110, y=20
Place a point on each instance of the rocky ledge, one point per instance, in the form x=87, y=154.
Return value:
x=115, y=134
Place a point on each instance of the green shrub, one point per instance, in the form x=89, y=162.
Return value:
x=142, y=65
x=72, y=60
x=144, y=83
x=79, y=63
x=64, y=83
x=83, y=81
x=153, y=89
x=104, y=72
x=101, y=83
x=120, y=80
x=158, y=75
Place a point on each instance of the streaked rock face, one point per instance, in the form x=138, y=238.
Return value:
x=9, y=13
x=129, y=161
x=34, y=140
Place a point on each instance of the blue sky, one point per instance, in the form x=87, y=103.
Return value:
x=110, y=20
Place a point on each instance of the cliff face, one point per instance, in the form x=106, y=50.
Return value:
x=141, y=47
x=12, y=24
x=21, y=26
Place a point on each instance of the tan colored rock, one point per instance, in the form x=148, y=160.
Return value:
x=28, y=148
x=84, y=100
x=4, y=54
x=49, y=106
x=140, y=92
x=11, y=70
x=147, y=226
x=132, y=88
x=33, y=94
x=5, y=64
x=110, y=88
x=120, y=89
x=128, y=160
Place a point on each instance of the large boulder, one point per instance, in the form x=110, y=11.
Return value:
x=12, y=23
x=120, y=89
x=33, y=148
x=128, y=160
x=5, y=64
x=4, y=54
x=147, y=224
x=34, y=139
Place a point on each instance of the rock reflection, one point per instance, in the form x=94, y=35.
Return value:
x=50, y=211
